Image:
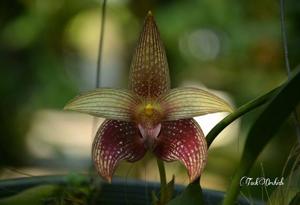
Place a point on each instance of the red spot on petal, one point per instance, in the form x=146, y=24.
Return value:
x=183, y=140
x=116, y=141
x=149, y=72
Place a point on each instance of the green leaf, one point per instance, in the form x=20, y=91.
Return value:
x=33, y=196
x=295, y=200
x=264, y=129
x=170, y=189
x=183, y=103
x=287, y=193
x=166, y=195
x=115, y=104
x=249, y=106
x=192, y=195
x=155, y=199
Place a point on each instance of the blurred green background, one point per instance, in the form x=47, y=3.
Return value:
x=48, y=54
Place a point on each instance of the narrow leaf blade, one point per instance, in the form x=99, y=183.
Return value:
x=34, y=196
x=190, y=196
x=295, y=200
x=264, y=129
x=108, y=103
x=287, y=192
x=170, y=189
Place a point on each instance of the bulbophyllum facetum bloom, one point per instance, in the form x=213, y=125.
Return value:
x=149, y=116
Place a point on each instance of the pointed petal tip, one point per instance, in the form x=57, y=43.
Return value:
x=194, y=178
x=108, y=179
x=67, y=107
x=228, y=108
x=149, y=18
x=194, y=175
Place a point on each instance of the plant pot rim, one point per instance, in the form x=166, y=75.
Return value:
x=9, y=187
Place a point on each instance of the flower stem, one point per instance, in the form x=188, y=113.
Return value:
x=163, y=181
x=238, y=113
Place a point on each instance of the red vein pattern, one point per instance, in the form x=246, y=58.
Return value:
x=149, y=72
x=183, y=140
x=116, y=141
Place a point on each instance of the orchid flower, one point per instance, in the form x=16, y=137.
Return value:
x=149, y=116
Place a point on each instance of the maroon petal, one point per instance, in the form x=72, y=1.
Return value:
x=183, y=140
x=116, y=141
x=149, y=72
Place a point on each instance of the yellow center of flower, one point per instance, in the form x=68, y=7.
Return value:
x=149, y=109
x=148, y=112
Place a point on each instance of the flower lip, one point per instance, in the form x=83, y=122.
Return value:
x=150, y=135
x=148, y=117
